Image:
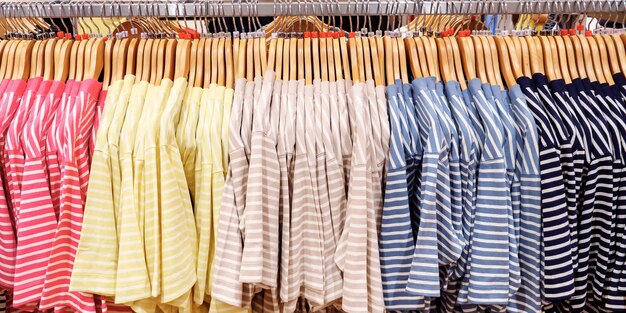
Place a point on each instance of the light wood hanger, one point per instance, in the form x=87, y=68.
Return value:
x=146, y=67
x=571, y=58
x=301, y=60
x=579, y=57
x=171, y=63
x=315, y=57
x=294, y=59
x=221, y=62
x=589, y=60
x=308, y=76
x=533, y=55
x=379, y=80
x=34, y=61
x=621, y=52
x=612, y=54
x=396, y=59
x=96, y=62
x=215, y=60
x=49, y=55
x=323, y=57
x=230, y=66
x=340, y=56
x=481, y=71
x=549, y=65
x=62, y=63
x=131, y=56
x=489, y=66
x=599, y=64
x=286, y=60
x=411, y=48
x=249, y=60
x=367, y=62
x=494, y=60
x=604, y=58
x=505, y=62
x=446, y=72
x=354, y=60
x=193, y=63
x=389, y=60
x=404, y=74
x=380, y=47
x=208, y=61
x=360, y=59
x=467, y=55
x=330, y=53
x=562, y=56
x=258, y=69
x=277, y=58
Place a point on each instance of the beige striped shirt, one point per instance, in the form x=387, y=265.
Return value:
x=229, y=245
x=260, y=250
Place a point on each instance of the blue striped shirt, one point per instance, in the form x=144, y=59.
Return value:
x=526, y=193
x=396, y=235
x=486, y=280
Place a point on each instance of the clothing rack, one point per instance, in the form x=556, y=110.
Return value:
x=108, y=8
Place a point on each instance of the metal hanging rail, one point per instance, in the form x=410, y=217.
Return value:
x=125, y=8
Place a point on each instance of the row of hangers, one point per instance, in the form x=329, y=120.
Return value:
x=306, y=47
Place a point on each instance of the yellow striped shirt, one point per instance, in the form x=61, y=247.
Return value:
x=95, y=265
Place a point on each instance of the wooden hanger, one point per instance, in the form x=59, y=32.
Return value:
x=315, y=57
x=345, y=54
x=466, y=48
x=49, y=54
x=444, y=65
x=599, y=63
x=301, y=60
x=367, y=62
x=532, y=55
x=489, y=67
x=200, y=66
x=221, y=54
x=258, y=70
x=8, y=58
x=323, y=57
x=271, y=56
x=606, y=64
x=505, y=62
x=389, y=60
x=23, y=72
x=569, y=56
x=34, y=64
x=340, y=57
x=380, y=47
x=481, y=71
x=215, y=47
x=549, y=65
x=411, y=48
x=360, y=59
x=277, y=59
x=96, y=62
x=249, y=60
x=621, y=52
x=354, y=60
x=396, y=60
x=62, y=63
x=330, y=55
x=589, y=59
x=286, y=60
x=404, y=74
x=379, y=79
x=230, y=77
x=612, y=54
x=308, y=75
x=432, y=56
x=294, y=59
x=131, y=56
x=557, y=41
x=208, y=62
x=193, y=63
x=171, y=63
x=494, y=60
x=579, y=57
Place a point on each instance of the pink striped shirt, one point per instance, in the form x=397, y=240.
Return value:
x=77, y=133
x=13, y=152
x=37, y=219
x=11, y=95
x=55, y=141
